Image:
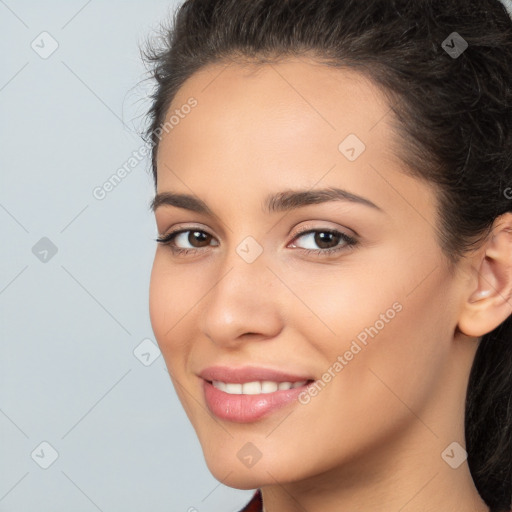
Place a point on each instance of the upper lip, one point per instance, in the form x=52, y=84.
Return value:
x=244, y=374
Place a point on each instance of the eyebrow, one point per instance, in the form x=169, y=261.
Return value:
x=280, y=202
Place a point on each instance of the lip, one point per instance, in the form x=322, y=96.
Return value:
x=244, y=374
x=249, y=408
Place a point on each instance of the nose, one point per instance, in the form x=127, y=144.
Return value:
x=243, y=303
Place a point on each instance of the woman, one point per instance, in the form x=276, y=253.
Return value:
x=331, y=291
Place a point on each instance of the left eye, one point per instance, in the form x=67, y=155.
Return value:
x=323, y=237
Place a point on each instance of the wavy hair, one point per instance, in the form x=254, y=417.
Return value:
x=453, y=115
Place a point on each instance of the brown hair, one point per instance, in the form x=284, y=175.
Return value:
x=453, y=112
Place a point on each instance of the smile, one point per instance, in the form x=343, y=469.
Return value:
x=250, y=401
x=256, y=387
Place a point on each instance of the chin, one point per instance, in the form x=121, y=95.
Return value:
x=231, y=471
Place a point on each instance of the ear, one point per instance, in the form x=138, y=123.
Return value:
x=488, y=299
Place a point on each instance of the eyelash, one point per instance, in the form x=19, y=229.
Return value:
x=349, y=242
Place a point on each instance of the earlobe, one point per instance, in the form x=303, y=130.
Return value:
x=489, y=302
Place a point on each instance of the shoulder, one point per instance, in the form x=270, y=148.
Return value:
x=255, y=505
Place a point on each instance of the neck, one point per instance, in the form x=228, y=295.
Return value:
x=418, y=469
x=415, y=479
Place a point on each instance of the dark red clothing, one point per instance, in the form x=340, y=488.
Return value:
x=255, y=505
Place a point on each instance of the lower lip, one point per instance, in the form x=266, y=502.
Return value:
x=247, y=408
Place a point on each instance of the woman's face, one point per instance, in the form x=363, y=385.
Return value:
x=357, y=321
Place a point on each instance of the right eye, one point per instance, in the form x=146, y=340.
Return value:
x=184, y=236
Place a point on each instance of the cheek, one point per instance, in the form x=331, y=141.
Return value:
x=397, y=354
x=158, y=297
x=171, y=298
x=379, y=317
x=175, y=294
x=344, y=303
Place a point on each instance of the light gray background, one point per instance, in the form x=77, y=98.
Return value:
x=69, y=324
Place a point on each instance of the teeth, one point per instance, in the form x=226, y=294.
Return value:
x=269, y=387
x=256, y=387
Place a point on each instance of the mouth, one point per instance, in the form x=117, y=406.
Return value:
x=250, y=393
x=249, y=402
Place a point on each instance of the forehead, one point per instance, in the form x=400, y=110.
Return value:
x=330, y=99
x=257, y=128
x=292, y=104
